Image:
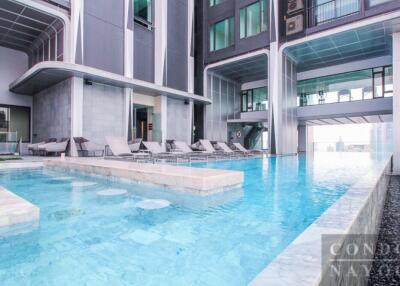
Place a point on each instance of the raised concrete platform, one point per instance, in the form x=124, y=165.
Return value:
x=194, y=180
x=14, y=209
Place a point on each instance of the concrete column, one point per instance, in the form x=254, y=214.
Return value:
x=127, y=110
x=396, y=103
x=306, y=138
x=160, y=39
x=190, y=45
x=164, y=118
x=76, y=38
x=76, y=112
x=128, y=39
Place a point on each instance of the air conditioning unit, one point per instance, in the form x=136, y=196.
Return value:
x=294, y=5
x=294, y=25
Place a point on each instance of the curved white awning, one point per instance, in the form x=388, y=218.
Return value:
x=46, y=74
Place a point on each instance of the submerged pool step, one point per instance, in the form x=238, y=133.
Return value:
x=14, y=209
x=198, y=181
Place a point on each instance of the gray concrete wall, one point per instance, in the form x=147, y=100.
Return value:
x=177, y=52
x=179, y=120
x=12, y=65
x=103, y=35
x=52, y=112
x=103, y=112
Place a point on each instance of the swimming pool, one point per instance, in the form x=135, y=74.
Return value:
x=85, y=238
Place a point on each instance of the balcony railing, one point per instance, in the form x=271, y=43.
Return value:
x=322, y=12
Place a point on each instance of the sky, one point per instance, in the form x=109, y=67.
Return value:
x=350, y=133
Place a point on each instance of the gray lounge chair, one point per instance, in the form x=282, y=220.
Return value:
x=120, y=149
x=225, y=148
x=193, y=155
x=87, y=148
x=34, y=148
x=55, y=148
x=207, y=146
x=158, y=154
x=240, y=147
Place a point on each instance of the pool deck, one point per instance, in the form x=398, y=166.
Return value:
x=199, y=181
x=14, y=209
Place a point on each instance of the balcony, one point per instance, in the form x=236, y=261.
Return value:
x=323, y=12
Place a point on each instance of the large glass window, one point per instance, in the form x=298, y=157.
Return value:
x=378, y=2
x=14, y=119
x=328, y=10
x=215, y=2
x=254, y=99
x=253, y=19
x=222, y=34
x=351, y=86
x=143, y=12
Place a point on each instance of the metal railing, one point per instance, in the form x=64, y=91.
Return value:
x=330, y=11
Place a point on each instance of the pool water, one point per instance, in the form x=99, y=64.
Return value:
x=88, y=238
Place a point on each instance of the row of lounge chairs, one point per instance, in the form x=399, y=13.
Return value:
x=50, y=146
x=179, y=151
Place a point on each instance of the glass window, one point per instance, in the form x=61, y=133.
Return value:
x=328, y=10
x=222, y=34
x=253, y=19
x=388, y=82
x=351, y=86
x=215, y=2
x=378, y=2
x=255, y=99
x=143, y=11
x=14, y=119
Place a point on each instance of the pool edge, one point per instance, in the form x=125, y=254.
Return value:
x=358, y=211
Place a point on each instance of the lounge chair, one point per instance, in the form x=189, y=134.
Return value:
x=85, y=148
x=229, y=151
x=120, y=149
x=158, y=154
x=193, y=155
x=54, y=147
x=34, y=148
x=207, y=146
x=240, y=148
x=135, y=145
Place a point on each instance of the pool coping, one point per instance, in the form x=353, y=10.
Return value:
x=198, y=181
x=16, y=210
x=358, y=211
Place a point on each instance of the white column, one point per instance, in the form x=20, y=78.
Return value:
x=160, y=39
x=396, y=103
x=76, y=25
x=128, y=41
x=164, y=118
x=76, y=112
x=190, y=39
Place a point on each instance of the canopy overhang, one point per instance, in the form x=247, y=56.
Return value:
x=46, y=74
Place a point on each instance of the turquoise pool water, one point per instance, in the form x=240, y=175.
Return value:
x=88, y=239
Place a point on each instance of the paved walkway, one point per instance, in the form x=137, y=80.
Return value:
x=386, y=268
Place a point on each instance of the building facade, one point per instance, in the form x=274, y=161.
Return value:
x=259, y=72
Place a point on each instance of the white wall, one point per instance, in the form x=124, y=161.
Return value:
x=255, y=84
x=12, y=65
x=348, y=67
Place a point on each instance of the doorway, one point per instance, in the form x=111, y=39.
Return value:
x=141, y=123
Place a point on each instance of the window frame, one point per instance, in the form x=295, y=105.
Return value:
x=140, y=20
x=211, y=3
x=262, y=15
x=9, y=106
x=231, y=33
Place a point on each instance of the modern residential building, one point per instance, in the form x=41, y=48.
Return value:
x=260, y=72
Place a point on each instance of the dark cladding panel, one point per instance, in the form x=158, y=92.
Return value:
x=143, y=59
x=104, y=35
x=177, y=51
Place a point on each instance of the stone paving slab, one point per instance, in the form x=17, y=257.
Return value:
x=14, y=209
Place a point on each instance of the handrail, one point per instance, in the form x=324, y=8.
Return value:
x=331, y=11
